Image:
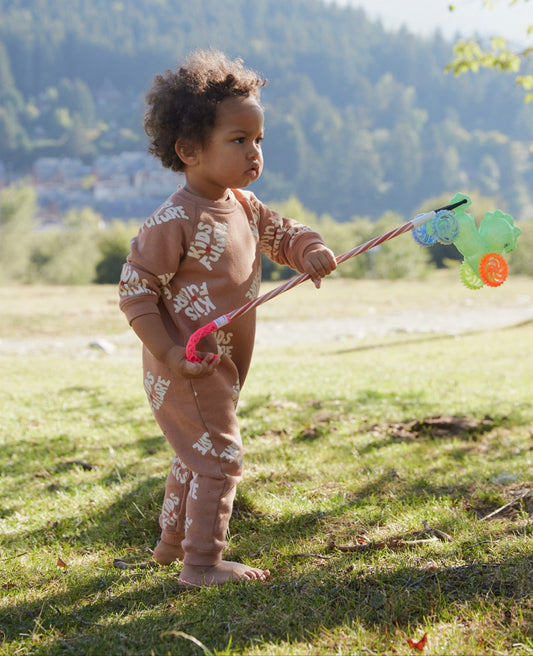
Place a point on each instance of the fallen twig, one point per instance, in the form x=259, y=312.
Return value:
x=121, y=564
x=506, y=506
x=19, y=555
x=363, y=544
x=437, y=533
x=310, y=555
x=394, y=543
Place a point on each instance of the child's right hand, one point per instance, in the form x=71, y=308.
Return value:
x=176, y=360
x=319, y=261
x=153, y=334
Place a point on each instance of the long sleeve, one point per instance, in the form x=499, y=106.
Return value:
x=153, y=261
x=283, y=240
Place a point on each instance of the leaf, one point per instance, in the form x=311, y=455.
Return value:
x=525, y=81
x=61, y=563
x=420, y=644
x=498, y=43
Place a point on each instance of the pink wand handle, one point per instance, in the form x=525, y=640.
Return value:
x=192, y=343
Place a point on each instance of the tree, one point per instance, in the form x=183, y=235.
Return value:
x=358, y=119
x=471, y=56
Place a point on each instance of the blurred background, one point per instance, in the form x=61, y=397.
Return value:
x=367, y=121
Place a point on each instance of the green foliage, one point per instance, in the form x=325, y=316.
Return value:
x=359, y=121
x=341, y=237
x=398, y=258
x=114, y=243
x=69, y=254
x=83, y=249
x=79, y=251
x=17, y=220
x=470, y=56
x=520, y=260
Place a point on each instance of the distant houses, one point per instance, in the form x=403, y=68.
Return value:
x=129, y=185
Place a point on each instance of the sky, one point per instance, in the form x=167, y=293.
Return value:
x=469, y=17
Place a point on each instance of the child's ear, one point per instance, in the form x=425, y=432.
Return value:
x=186, y=151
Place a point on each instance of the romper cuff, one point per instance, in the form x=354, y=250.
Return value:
x=139, y=309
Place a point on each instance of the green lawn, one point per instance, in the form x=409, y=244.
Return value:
x=350, y=447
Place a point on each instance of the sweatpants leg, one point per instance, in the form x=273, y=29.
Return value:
x=199, y=420
x=172, y=518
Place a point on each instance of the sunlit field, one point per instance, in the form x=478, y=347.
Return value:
x=388, y=479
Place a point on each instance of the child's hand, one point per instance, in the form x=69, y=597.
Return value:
x=152, y=332
x=318, y=262
x=177, y=361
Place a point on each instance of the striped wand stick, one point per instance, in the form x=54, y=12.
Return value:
x=224, y=319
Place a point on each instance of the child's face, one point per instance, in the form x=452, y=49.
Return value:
x=232, y=159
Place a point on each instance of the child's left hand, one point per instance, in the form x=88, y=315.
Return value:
x=318, y=262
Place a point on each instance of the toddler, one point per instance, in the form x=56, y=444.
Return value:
x=196, y=257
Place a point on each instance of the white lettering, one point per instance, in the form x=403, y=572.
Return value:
x=167, y=212
x=155, y=390
x=209, y=244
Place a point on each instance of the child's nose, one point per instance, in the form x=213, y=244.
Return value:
x=255, y=150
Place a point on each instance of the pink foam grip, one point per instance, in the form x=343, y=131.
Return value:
x=190, y=349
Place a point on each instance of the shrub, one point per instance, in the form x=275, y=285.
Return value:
x=114, y=246
x=17, y=220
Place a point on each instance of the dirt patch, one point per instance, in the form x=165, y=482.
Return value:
x=442, y=426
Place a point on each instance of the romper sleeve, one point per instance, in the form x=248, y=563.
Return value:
x=153, y=261
x=283, y=240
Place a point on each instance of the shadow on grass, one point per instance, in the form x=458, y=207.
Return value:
x=106, y=610
x=140, y=612
x=425, y=338
x=131, y=520
x=138, y=606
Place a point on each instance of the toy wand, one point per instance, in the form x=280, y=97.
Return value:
x=224, y=319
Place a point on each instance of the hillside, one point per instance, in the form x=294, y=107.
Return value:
x=358, y=120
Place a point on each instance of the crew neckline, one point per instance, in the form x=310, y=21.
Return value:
x=226, y=204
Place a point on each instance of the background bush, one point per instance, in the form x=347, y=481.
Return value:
x=84, y=249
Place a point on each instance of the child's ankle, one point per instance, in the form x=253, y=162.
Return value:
x=166, y=553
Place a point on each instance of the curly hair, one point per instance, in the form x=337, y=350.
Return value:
x=182, y=102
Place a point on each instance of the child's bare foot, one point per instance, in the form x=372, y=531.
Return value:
x=193, y=576
x=166, y=554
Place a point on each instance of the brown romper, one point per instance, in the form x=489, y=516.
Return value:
x=192, y=261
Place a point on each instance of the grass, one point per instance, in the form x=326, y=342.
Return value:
x=342, y=452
